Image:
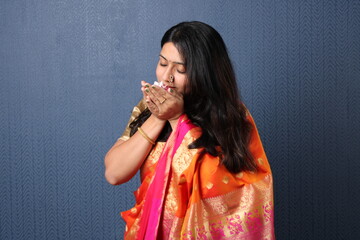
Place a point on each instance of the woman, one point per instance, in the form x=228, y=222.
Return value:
x=204, y=173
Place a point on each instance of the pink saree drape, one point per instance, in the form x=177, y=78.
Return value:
x=188, y=195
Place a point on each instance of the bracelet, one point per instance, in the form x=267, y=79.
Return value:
x=146, y=136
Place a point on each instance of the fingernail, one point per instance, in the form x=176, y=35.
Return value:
x=171, y=90
x=153, y=86
x=146, y=85
x=146, y=90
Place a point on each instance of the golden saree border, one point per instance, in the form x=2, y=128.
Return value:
x=246, y=213
x=132, y=217
x=147, y=171
x=141, y=106
x=204, y=200
x=213, y=203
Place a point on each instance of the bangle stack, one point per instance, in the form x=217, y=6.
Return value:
x=146, y=136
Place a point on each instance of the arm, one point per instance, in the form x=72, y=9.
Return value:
x=125, y=158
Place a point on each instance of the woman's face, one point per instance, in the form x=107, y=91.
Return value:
x=171, y=63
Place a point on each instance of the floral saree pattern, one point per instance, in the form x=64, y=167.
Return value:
x=185, y=194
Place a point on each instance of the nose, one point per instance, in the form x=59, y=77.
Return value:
x=168, y=77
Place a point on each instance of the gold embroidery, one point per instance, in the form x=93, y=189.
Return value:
x=217, y=207
x=182, y=159
x=240, y=175
x=141, y=106
x=180, y=162
x=133, y=210
x=150, y=162
x=132, y=231
x=226, y=180
x=171, y=203
x=225, y=217
x=243, y=213
x=209, y=185
x=155, y=154
x=171, y=227
x=184, y=155
x=261, y=161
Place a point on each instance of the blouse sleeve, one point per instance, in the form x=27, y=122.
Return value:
x=141, y=106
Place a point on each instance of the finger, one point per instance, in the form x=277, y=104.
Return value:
x=143, y=83
x=162, y=97
x=145, y=90
x=158, y=92
x=171, y=93
x=152, y=106
x=149, y=102
x=170, y=90
x=146, y=98
x=155, y=96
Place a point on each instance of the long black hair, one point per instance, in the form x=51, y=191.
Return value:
x=211, y=97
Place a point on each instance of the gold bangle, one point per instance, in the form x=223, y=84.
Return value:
x=146, y=136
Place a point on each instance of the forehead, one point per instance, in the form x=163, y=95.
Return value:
x=170, y=53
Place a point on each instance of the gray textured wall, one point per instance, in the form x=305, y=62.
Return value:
x=70, y=73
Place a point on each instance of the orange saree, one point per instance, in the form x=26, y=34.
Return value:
x=188, y=195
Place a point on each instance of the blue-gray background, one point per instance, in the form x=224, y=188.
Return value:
x=70, y=73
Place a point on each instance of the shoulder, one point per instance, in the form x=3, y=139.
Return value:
x=137, y=110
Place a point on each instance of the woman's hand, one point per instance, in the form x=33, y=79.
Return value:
x=164, y=104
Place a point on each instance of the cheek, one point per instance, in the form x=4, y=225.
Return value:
x=181, y=85
x=158, y=73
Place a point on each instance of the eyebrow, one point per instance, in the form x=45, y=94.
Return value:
x=181, y=63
